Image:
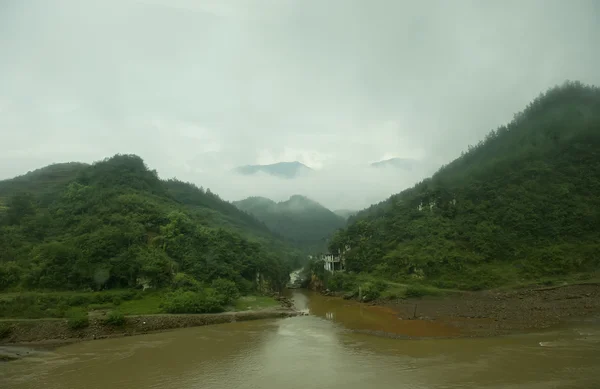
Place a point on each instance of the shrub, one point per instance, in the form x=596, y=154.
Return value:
x=244, y=286
x=62, y=308
x=379, y=285
x=10, y=274
x=342, y=281
x=372, y=290
x=181, y=301
x=5, y=330
x=77, y=318
x=115, y=318
x=226, y=288
x=78, y=300
x=117, y=301
x=186, y=282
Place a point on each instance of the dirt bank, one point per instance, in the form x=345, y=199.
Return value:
x=499, y=312
x=56, y=331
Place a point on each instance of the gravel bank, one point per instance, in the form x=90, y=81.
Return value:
x=490, y=313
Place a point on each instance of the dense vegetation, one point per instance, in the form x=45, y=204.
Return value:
x=115, y=225
x=300, y=219
x=523, y=204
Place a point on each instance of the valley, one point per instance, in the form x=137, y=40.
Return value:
x=500, y=242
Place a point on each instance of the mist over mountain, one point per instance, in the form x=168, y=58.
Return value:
x=353, y=184
x=398, y=163
x=279, y=169
x=345, y=213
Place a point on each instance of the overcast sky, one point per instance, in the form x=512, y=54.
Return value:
x=197, y=87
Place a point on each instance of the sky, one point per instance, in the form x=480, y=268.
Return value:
x=198, y=87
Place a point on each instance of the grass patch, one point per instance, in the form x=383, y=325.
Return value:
x=98, y=307
x=248, y=303
x=36, y=305
x=422, y=290
x=149, y=304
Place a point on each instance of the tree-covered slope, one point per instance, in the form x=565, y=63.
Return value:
x=44, y=181
x=299, y=219
x=520, y=205
x=115, y=224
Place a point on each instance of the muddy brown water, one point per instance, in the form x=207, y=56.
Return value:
x=319, y=351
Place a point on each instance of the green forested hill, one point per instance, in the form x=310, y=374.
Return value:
x=115, y=224
x=299, y=219
x=522, y=204
x=44, y=182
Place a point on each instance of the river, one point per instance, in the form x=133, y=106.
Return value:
x=318, y=351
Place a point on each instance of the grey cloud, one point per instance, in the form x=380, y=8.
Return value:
x=198, y=87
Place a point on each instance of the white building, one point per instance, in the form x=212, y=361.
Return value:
x=332, y=262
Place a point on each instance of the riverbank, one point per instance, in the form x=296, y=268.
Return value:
x=497, y=312
x=36, y=332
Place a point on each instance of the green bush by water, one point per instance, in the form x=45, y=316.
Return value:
x=341, y=281
x=226, y=288
x=372, y=290
x=115, y=318
x=181, y=301
x=77, y=318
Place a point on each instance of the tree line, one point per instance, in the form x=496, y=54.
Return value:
x=115, y=224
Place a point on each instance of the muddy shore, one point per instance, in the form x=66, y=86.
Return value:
x=489, y=313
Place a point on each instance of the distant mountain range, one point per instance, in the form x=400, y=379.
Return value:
x=399, y=163
x=299, y=219
x=279, y=169
x=295, y=168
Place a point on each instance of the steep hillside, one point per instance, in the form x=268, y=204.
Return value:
x=523, y=204
x=300, y=219
x=115, y=224
x=280, y=169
